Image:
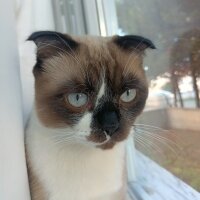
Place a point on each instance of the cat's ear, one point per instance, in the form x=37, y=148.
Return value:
x=50, y=43
x=133, y=42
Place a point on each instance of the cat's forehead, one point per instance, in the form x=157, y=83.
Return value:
x=103, y=50
x=58, y=53
x=94, y=56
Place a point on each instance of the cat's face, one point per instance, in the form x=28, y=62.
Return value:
x=91, y=88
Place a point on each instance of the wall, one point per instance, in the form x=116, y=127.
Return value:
x=13, y=174
x=172, y=118
x=158, y=118
x=184, y=119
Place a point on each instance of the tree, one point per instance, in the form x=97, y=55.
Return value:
x=185, y=60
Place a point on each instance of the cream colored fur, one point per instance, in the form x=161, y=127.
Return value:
x=74, y=171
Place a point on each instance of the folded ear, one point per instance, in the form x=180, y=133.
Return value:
x=50, y=43
x=134, y=42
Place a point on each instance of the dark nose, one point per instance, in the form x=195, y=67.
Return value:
x=109, y=121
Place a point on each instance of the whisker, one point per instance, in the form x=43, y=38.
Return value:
x=68, y=140
x=146, y=142
x=150, y=126
x=131, y=56
x=69, y=48
x=47, y=44
x=61, y=136
x=69, y=137
x=163, y=141
x=142, y=143
x=75, y=56
x=158, y=130
x=155, y=135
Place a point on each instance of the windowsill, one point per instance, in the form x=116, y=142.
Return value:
x=156, y=183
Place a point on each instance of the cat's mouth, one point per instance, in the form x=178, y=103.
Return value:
x=103, y=140
x=107, y=139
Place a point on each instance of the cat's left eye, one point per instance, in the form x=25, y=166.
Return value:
x=77, y=99
x=128, y=95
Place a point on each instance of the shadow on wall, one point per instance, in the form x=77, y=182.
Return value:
x=158, y=118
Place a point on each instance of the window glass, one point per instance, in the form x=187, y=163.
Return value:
x=173, y=71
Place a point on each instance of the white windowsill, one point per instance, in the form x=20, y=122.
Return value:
x=156, y=183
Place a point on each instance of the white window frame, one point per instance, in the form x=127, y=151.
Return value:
x=92, y=17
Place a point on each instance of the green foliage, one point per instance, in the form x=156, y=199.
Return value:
x=162, y=21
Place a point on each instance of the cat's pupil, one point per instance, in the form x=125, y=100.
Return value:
x=77, y=97
x=128, y=92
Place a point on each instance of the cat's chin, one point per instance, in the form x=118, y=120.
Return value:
x=107, y=145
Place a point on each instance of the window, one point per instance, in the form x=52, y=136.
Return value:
x=173, y=75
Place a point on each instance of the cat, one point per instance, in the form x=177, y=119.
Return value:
x=88, y=92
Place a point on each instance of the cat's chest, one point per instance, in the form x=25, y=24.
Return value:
x=77, y=172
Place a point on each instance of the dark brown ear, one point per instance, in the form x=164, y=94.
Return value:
x=134, y=42
x=50, y=43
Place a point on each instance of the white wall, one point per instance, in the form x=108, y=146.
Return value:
x=13, y=176
x=34, y=15
x=16, y=88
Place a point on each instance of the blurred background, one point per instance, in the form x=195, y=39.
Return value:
x=169, y=129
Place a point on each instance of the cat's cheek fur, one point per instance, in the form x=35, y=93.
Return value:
x=68, y=173
x=82, y=128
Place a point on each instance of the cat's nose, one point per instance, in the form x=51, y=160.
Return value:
x=109, y=122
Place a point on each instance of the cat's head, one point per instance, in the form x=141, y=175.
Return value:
x=91, y=88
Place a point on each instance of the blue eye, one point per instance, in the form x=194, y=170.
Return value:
x=128, y=95
x=77, y=99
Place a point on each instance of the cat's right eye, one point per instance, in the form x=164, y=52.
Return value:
x=77, y=99
x=128, y=95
